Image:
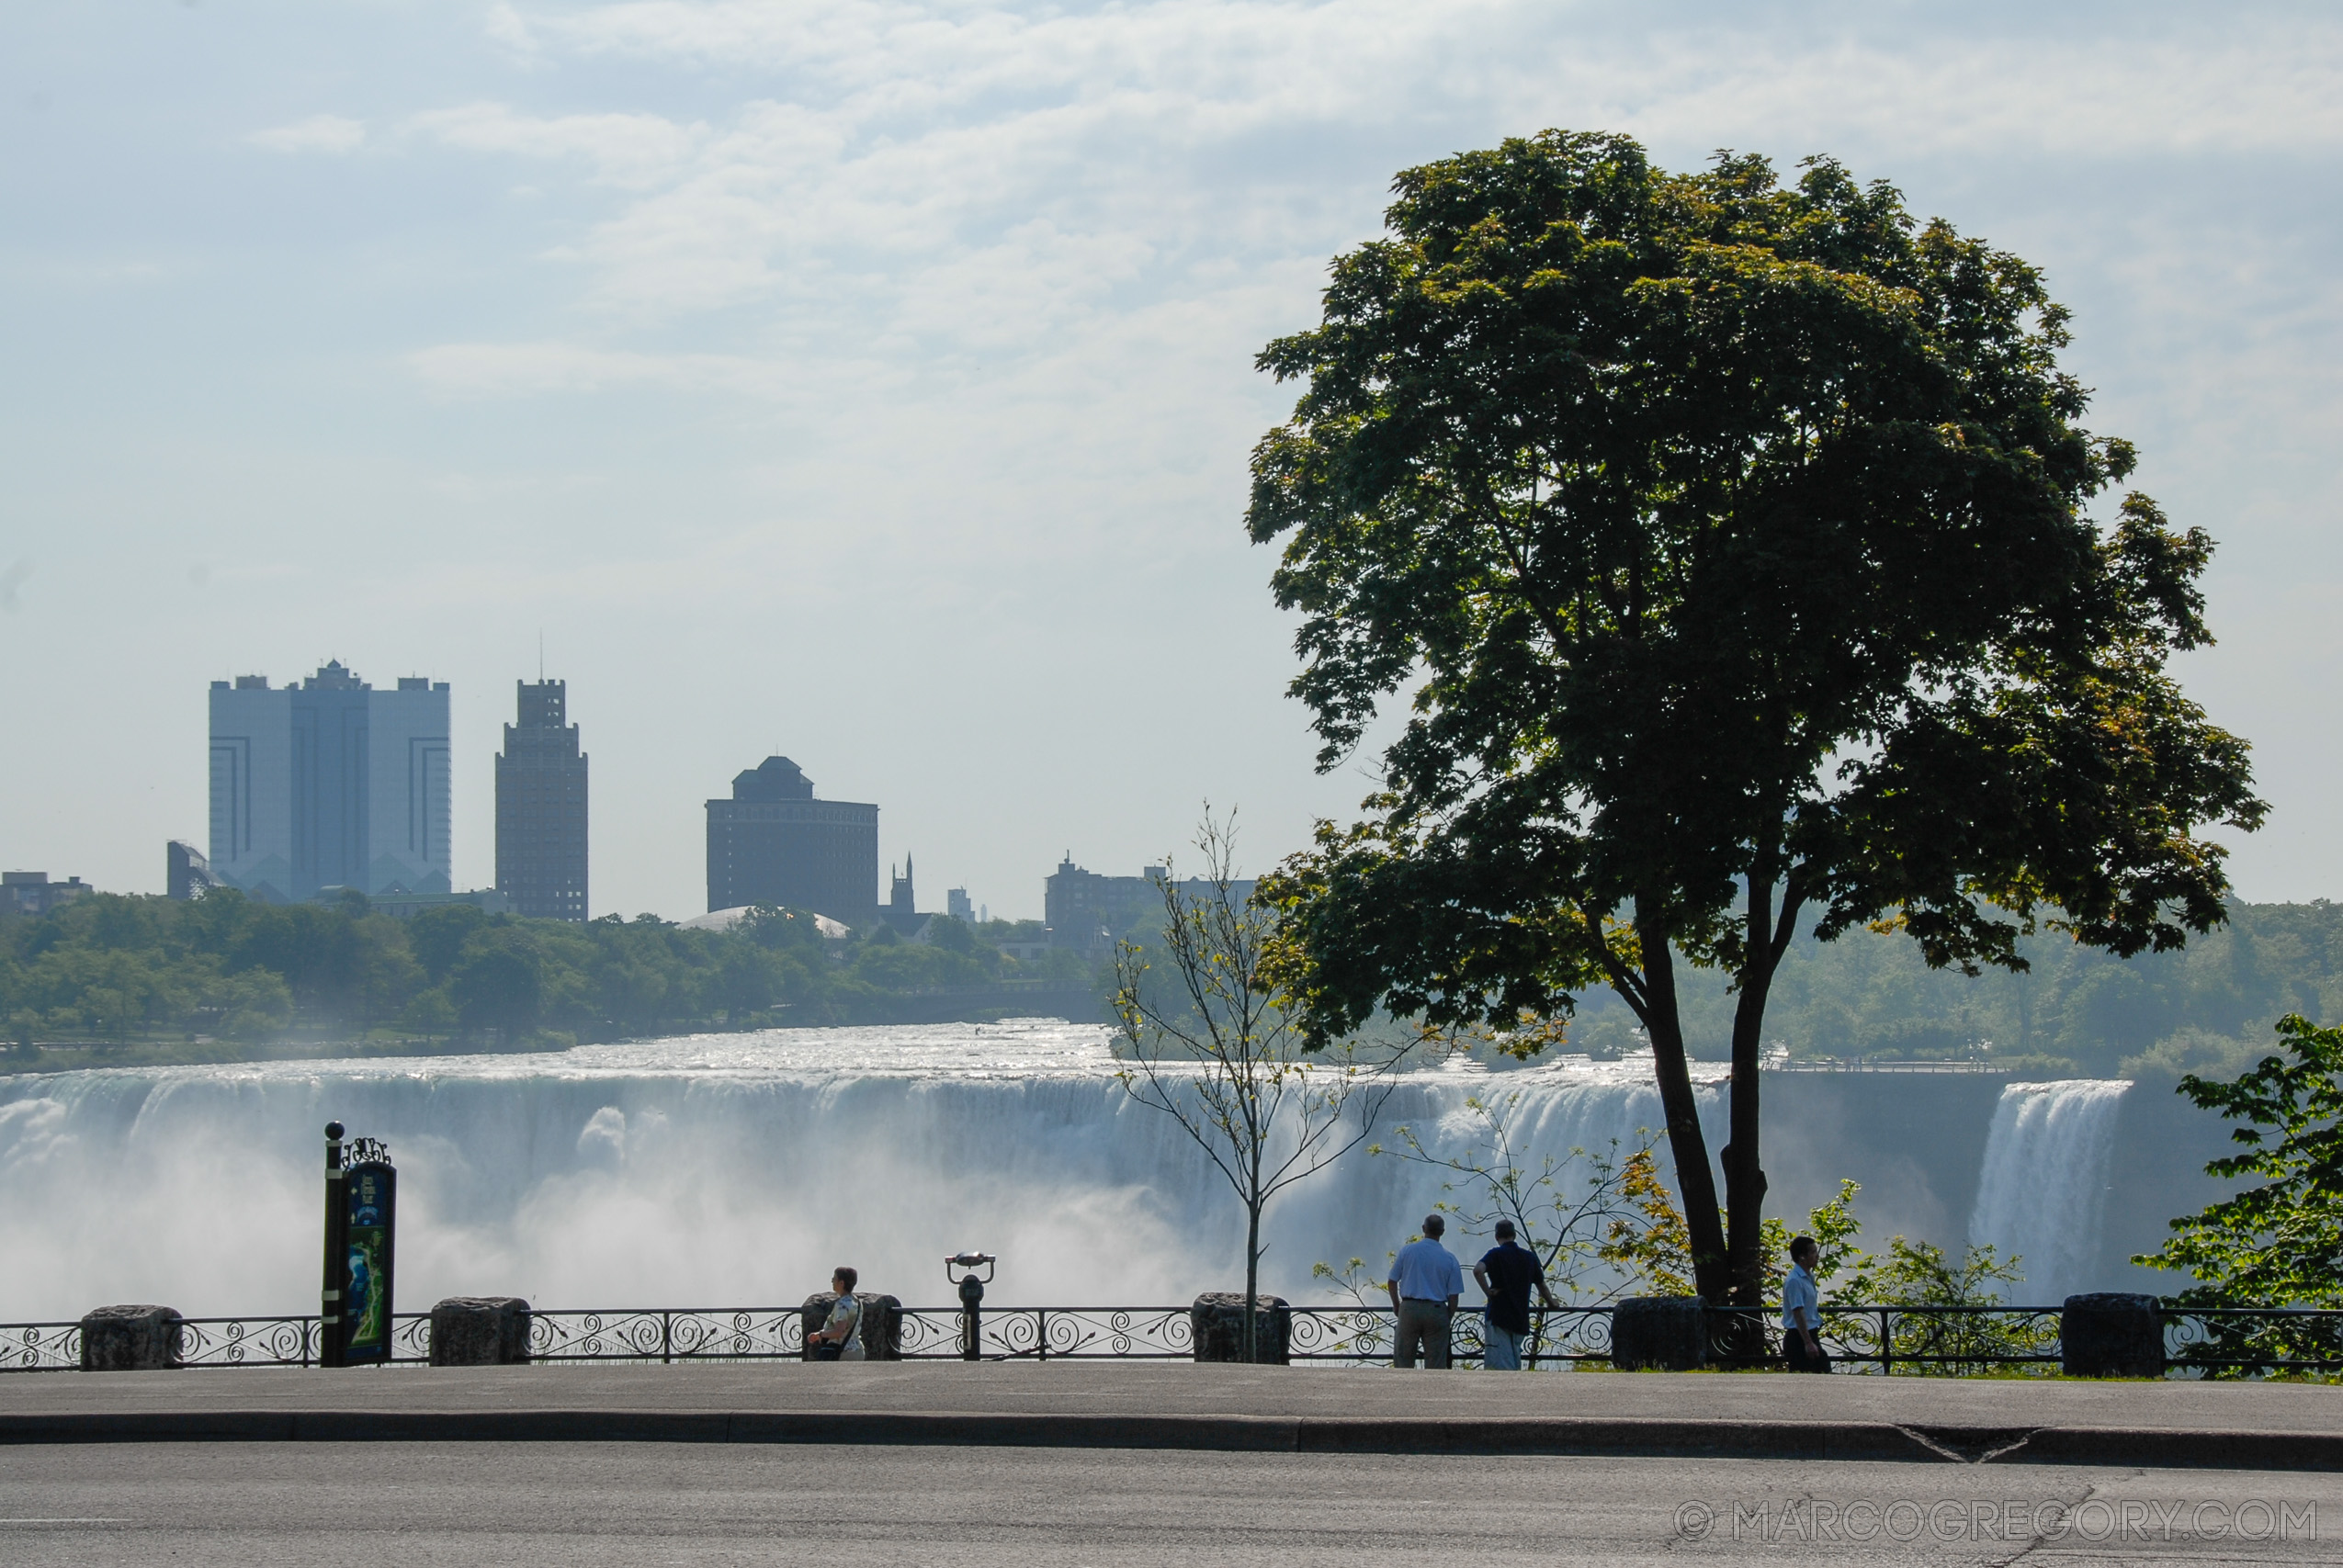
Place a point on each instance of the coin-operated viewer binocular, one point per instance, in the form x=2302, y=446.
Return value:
x=971, y=1285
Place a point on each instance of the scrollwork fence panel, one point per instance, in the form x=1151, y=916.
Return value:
x=654, y=1334
x=2228, y=1342
x=1051, y=1333
x=248, y=1342
x=40, y=1347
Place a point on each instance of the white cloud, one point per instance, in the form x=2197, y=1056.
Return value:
x=506, y=25
x=507, y=368
x=895, y=147
x=626, y=150
x=2220, y=80
x=319, y=133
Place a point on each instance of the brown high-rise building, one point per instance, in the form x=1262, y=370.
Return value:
x=541, y=808
x=774, y=844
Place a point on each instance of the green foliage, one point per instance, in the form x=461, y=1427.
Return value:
x=255, y=1005
x=497, y=986
x=430, y=1013
x=1834, y=1227
x=107, y=971
x=782, y=930
x=951, y=935
x=2075, y=1010
x=1731, y=539
x=436, y=936
x=1649, y=1245
x=2281, y=1243
x=914, y=967
x=1918, y=1275
x=2278, y=1245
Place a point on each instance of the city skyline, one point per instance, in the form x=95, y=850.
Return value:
x=287, y=760
x=692, y=337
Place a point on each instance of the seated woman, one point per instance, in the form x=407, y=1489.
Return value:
x=838, y=1339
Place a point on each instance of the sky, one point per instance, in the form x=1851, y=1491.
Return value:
x=871, y=380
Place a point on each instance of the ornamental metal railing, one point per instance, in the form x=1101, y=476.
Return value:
x=40, y=1346
x=2244, y=1341
x=203, y=1342
x=1923, y=1341
x=1894, y=1341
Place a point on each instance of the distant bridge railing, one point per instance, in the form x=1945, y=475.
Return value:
x=1901, y=1341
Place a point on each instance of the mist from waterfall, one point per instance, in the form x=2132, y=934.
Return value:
x=716, y=1170
x=740, y=1168
x=2042, y=1193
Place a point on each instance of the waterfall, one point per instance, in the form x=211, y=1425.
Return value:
x=715, y=1170
x=2042, y=1192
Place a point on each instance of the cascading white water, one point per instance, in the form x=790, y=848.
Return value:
x=2042, y=1192
x=712, y=1169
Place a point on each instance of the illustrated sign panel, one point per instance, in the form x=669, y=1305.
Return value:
x=372, y=1193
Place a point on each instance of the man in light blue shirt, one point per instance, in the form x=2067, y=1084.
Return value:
x=1801, y=1315
x=1425, y=1282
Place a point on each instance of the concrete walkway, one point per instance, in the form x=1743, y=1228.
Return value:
x=1182, y=1406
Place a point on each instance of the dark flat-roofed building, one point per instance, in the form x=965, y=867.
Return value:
x=31, y=892
x=541, y=807
x=774, y=844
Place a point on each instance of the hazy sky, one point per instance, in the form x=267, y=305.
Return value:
x=871, y=381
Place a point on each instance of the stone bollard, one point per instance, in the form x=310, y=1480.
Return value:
x=1217, y=1328
x=131, y=1339
x=1666, y=1333
x=2111, y=1333
x=881, y=1333
x=479, y=1331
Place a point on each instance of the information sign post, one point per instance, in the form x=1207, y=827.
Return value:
x=361, y=1214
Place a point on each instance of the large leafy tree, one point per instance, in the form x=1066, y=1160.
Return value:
x=1729, y=542
x=2279, y=1243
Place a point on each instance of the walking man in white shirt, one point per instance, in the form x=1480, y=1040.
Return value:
x=1801, y=1311
x=1425, y=1282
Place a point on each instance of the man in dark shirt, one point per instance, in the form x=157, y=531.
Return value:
x=1506, y=1272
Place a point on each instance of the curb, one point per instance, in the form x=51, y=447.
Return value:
x=2152, y=1447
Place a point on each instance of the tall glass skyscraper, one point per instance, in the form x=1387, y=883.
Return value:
x=329, y=783
x=541, y=807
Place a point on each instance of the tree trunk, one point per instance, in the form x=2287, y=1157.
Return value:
x=1253, y=1279
x=1745, y=1182
x=1695, y=1183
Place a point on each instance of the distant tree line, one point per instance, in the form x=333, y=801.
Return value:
x=116, y=969
x=2209, y=1007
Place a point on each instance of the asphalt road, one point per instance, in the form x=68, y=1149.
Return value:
x=581, y=1505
